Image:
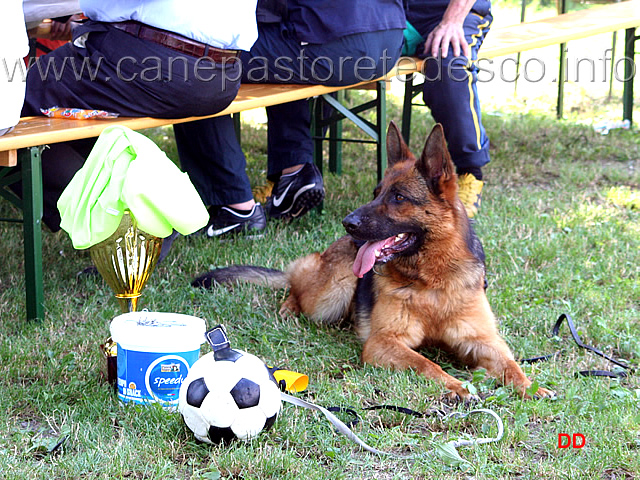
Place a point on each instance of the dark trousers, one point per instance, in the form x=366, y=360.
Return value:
x=208, y=149
x=450, y=88
x=118, y=73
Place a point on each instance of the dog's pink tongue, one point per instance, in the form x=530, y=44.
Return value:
x=366, y=257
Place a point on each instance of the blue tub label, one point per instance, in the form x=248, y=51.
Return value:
x=152, y=377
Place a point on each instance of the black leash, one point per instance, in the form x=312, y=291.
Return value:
x=555, y=332
x=446, y=448
x=576, y=338
x=407, y=411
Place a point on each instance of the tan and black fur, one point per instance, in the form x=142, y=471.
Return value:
x=410, y=273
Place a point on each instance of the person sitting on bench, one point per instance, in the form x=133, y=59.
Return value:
x=329, y=42
x=452, y=33
x=169, y=59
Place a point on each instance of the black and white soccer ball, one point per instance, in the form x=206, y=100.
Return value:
x=227, y=396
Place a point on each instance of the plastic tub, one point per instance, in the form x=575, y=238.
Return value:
x=155, y=352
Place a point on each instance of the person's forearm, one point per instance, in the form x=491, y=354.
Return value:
x=457, y=11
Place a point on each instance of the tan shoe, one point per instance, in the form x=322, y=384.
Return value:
x=470, y=193
x=262, y=192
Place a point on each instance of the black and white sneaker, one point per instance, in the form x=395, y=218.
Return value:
x=296, y=193
x=226, y=221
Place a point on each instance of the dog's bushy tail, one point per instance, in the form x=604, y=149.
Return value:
x=267, y=277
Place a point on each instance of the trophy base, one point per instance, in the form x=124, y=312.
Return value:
x=110, y=352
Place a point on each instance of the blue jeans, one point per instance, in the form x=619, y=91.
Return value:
x=208, y=149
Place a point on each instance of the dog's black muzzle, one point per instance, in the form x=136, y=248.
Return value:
x=363, y=224
x=352, y=223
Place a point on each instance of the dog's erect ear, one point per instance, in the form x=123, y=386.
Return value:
x=397, y=149
x=435, y=160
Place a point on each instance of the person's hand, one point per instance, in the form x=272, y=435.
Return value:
x=60, y=30
x=445, y=35
x=55, y=30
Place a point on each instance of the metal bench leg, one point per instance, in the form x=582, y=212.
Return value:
x=237, y=126
x=316, y=106
x=335, y=146
x=406, y=107
x=612, y=70
x=316, y=130
x=561, y=80
x=562, y=8
x=410, y=92
x=32, y=224
x=376, y=131
x=629, y=70
x=381, y=147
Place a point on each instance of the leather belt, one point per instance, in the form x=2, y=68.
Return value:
x=176, y=42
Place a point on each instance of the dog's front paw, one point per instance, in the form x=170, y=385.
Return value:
x=453, y=398
x=537, y=395
x=544, y=393
x=459, y=394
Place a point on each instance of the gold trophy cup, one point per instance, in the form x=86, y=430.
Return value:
x=126, y=259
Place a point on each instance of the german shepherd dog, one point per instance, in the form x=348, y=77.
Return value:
x=410, y=273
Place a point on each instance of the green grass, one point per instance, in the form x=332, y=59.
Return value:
x=560, y=223
x=560, y=226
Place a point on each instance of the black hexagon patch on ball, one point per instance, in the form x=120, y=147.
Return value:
x=196, y=392
x=246, y=393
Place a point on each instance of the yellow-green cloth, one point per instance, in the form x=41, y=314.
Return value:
x=127, y=171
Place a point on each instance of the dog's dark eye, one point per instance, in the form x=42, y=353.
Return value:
x=399, y=197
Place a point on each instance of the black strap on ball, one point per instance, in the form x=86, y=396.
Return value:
x=217, y=338
x=219, y=341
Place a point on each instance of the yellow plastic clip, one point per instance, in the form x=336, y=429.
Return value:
x=295, y=382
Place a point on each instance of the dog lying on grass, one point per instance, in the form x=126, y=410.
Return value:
x=410, y=273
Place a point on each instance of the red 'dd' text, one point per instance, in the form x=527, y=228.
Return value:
x=565, y=440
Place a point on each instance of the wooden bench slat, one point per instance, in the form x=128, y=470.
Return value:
x=44, y=130
x=545, y=32
x=561, y=28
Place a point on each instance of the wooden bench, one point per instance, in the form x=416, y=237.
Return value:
x=25, y=143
